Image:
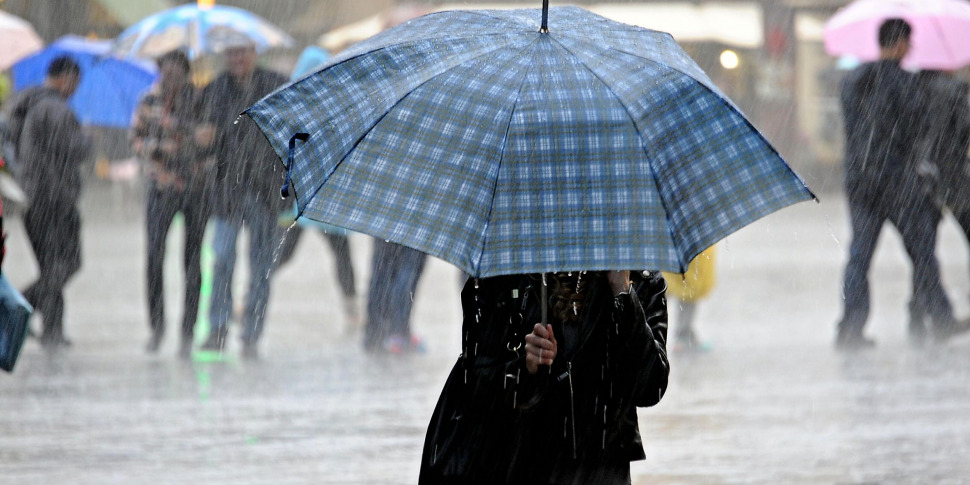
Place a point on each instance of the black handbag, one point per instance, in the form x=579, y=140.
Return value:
x=14, y=317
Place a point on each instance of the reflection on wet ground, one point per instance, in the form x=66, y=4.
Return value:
x=771, y=402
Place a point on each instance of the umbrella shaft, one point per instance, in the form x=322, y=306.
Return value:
x=544, y=297
x=545, y=17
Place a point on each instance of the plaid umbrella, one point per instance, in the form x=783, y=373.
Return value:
x=482, y=139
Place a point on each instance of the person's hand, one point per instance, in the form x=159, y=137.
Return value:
x=540, y=347
x=619, y=281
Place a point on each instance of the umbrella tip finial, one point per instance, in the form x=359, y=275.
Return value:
x=544, y=28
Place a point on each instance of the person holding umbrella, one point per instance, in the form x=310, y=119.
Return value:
x=556, y=403
x=163, y=136
x=513, y=147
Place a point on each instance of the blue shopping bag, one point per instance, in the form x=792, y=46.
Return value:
x=14, y=316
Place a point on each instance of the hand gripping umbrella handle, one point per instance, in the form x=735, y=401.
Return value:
x=285, y=190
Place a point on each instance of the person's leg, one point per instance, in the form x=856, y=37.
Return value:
x=866, y=223
x=57, y=232
x=196, y=216
x=685, y=324
x=962, y=216
x=264, y=238
x=340, y=245
x=37, y=235
x=376, y=327
x=224, y=238
x=410, y=267
x=917, y=222
x=159, y=212
x=345, y=268
x=291, y=238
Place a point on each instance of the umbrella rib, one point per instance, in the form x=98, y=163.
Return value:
x=501, y=159
x=407, y=42
x=729, y=106
x=264, y=128
x=682, y=264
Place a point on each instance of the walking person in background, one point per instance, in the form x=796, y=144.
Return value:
x=882, y=185
x=247, y=192
x=51, y=149
x=943, y=146
x=690, y=288
x=163, y=136
x=532, y=403
x=312, y=58
x=395, y=271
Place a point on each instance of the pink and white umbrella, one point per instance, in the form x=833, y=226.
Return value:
x=17, y=40
x=941, y=31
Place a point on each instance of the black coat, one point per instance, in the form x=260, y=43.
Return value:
x=246, y=162
x=881, y=107
x=576, y=423
x=51, y=152
x=945, y=136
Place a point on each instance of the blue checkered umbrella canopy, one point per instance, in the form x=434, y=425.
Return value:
x=478, y=139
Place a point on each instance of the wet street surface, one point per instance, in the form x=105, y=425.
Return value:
x=769, y=402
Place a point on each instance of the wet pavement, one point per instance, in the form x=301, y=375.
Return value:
x=770, y=402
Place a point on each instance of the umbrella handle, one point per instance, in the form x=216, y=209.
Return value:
x=285, y=189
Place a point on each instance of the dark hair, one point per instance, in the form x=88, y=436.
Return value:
x=177, y=57
x=892, y=31
x=63, y=65
x=567, y=294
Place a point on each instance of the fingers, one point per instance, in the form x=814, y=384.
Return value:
x=540, y=347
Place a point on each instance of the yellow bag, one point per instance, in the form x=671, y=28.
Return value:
x=697, y=282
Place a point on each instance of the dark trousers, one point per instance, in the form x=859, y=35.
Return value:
x=55, y=236
x=916, y=219
x=395, y=273
x=341, y=251
x=162, y=205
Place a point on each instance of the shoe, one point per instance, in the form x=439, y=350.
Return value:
x=400, y=344
x=249, y=351
x=690, y=344
x=917, y=332
x=352, y=314
x=850, y=342
x=943, y=333
x=155, y=341
x=51, y=343
x=185, y=348
x=215, y=343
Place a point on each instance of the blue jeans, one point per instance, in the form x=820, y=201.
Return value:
x=916, y=219
x=395, y=273
x=264, y=237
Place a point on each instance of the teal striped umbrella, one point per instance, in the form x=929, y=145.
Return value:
x=505, y=146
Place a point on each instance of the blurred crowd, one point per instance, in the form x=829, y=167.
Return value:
x=200, y=159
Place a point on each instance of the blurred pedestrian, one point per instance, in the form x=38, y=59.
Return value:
x=247, y=192
x=520, y=408
x=395, y=271
x=310, y=59
x=943, y=146
x=163, y=136
x=51, y=149
x=880, y=103
x=689, y=289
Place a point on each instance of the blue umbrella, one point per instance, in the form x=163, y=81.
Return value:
x=199, y=30
x=110, y=88
x=503, y=146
